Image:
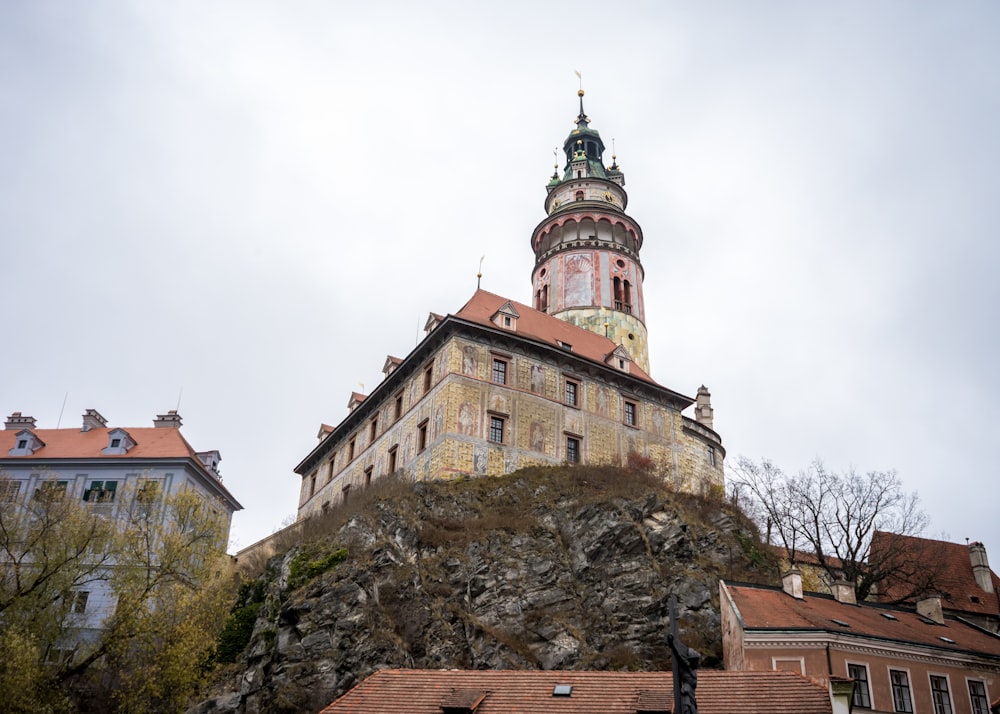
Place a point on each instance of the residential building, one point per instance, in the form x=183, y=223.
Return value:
x=97, y=464
x=900, y=659
x=959, y=573
x=420, y=691
x=500, y=385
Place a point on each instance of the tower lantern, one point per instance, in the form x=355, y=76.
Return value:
x=587, y=270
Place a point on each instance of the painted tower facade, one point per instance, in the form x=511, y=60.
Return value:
x=587, y=270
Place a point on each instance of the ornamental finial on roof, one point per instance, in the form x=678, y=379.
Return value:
x=581, y=120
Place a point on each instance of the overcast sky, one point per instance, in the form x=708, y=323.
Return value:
x=244, y=207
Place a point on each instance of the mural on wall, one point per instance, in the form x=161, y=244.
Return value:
x=537, y=379
x=468, y=421
x=479, y=460
x=470, y=361
x=574, y=424
x=509, y=462
x=438, y=421
x=408, y=448
x=579, y=280
x=602, y=401
x=537, y=436
x=498, y=403
x=658, y=422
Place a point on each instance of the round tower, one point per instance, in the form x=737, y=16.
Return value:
x=587, y=268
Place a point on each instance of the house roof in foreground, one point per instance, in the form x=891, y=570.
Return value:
x=769, y=609
x=416, y=691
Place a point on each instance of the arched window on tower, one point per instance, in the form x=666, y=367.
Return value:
x=543, y=304
x=627, y=295
x=618, y=293
x=579, y=194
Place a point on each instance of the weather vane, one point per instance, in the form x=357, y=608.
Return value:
x=479, y=275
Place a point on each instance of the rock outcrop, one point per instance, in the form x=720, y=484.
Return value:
x=544, y=568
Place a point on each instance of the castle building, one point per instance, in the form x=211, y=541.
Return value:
x=500, y=385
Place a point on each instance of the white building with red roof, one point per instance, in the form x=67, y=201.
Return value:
x=102, y=466
x=500, y=385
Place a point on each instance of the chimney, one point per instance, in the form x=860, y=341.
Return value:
x=703, y=407
x=92, y=419
x=843, y=591
x=981, y=566
x=841, y=692
x=930, y=607
x=791, y=582
x=170, y=420
x=16, y=421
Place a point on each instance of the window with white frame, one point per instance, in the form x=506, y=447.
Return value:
x=862, y=693
x=9, y=490
x=977, y=696
x=101, y=492
x=80, y=598
x=940, y=694
x=902, y=701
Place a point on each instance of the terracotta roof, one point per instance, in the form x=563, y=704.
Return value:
x=803, y=557
x=150, y=443
x=771, y=609
x=954, y=578
x=419, y=691
x=545, y=328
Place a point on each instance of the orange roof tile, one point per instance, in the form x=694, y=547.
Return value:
x=954, y=578
x=150, y=443
x=770, y=609
x=543, y=327
x=418, y=691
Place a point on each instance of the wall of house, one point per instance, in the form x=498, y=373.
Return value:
x=918, y=664
x=457, y=410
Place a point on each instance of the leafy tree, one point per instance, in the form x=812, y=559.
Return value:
x=161, y=560
x=833, y=517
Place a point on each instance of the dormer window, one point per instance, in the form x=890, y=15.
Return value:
x=506, y=317
x=119, y=442
x=25, y=443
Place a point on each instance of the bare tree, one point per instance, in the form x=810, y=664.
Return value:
x=833, y=517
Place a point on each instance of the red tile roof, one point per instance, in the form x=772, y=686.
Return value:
x=543, y=327
x=418, y=691
x=771, y=609
x=150, y=443
x=954, y=578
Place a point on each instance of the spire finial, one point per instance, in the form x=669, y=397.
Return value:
x=479, y=275
x=579, y=93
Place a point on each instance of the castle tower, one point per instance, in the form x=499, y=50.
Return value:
x=587, y=270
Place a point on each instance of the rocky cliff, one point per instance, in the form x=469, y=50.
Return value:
x=544, y=568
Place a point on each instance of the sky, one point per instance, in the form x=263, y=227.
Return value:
x=238, y=209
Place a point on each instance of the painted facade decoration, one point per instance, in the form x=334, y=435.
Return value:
x=501, y=385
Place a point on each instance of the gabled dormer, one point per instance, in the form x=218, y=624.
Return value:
x=210, y=460
x=355, y=400
x=119, y=442
x=619, y=359
x=26, y=443
x=433, y=320
x=506, y=317
x=390, y=364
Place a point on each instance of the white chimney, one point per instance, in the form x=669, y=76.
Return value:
x=703, y=412
x=981, y=566
x=930, y=607
x=92, y=419
x=16, y=421
x=843, y=591
x=170, y=420
x=791, y=582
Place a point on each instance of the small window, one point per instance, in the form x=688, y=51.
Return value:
x=373, y=428
x=940, y=695
x=368, y=476
x=312, y=484
x=350, y=450
x=22, y=443
x=9, y=490
x=496, y=429
x=115, y=443
x=80, y=598
x=711, y=456
x=901, y=699
x=392, y=458
x=862, y=694
x=399, y=406
x=572, y=393
x=499, y=371
x=572, y=449
x=977, y=695
x=345, y=492
x=421, y=436
x=506, y=320
x=631, y=414
x=428, y=377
